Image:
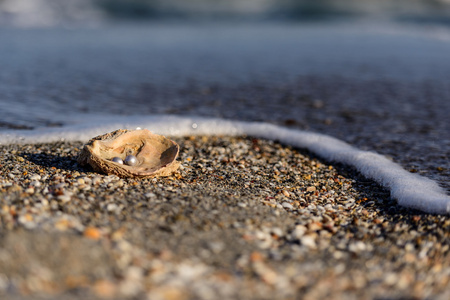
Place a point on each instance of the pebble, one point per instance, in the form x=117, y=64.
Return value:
x=298, y=232
x=60, y=185
x=308, y=241
x=287, y=205
x=29, y=190
x=357, y=247
x=285, y=193
x=35, y=183
x=112, y=207
x=105, y=289
x=311, y=189
x=35, y=177
x=92, y=233
x=96, y=180
x=64, y=198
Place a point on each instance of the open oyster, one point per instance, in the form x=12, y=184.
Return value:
x=155, y=153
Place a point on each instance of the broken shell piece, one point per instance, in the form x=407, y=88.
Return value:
x=155, y=154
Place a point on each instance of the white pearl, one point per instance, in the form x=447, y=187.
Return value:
x=117, y=160
x=130, y=160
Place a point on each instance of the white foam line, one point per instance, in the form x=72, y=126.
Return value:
x=410, y=190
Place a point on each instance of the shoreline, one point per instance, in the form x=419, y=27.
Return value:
x=386, y=97
x=408, y=189
x=244, y=217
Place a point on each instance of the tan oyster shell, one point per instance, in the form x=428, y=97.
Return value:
x=156, y=154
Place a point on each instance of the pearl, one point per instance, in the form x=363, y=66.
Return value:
x=117, y=160
x=130, y=160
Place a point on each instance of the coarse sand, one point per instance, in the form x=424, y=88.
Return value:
x=243, y=218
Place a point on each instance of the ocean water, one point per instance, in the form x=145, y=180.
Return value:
x=59, y=60
x=370, y=73
x=49, y=76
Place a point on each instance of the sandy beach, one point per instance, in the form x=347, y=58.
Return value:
x=242, y=219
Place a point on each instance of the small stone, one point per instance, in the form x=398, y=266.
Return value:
x=287, y=205
x=277, y=231
x=111, y=207
x=92, y=233
x=96, y=180
x=25, y=218
x=311, y=189
x=314, y=226
x=308, y=241
x=62, y=224
x=14, y=188
x=298, y=232
x=35, y=183
x=105, y=289
x=338, y=254
x=60, y=185
x=132, y=281
x=390, y=279
x=64, y=198
x=285, y=193
x=29, y=190
x=357, y=247
x=35, y=177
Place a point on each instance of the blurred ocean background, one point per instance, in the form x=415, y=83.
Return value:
x=225, y=58
x=32, y=13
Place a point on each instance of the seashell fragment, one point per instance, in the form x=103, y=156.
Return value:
x=155, y=154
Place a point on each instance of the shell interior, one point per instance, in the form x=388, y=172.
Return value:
x=156, y=155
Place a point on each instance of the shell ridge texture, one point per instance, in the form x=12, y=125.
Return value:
x=156, y=155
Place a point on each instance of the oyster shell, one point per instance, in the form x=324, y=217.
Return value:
x=156, y=155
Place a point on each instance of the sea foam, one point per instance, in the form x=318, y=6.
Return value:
x=410, y=190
